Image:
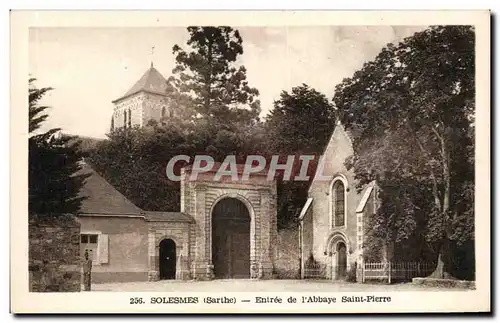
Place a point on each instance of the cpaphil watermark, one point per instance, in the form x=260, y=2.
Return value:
x=296, y=168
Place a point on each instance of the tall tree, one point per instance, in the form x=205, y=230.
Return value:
x=134, y=161
x=301, y=122
x=207, y=78
x=53, y=161
x=413, y=108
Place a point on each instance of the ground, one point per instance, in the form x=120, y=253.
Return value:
x=242, y=285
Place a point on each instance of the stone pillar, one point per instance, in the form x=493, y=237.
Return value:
x=273, y=219
x=185, y=254
x=265, y=260
x=181, y=268
x=200, y=267
x=153, y=273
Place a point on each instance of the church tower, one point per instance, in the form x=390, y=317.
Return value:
x=145, y=101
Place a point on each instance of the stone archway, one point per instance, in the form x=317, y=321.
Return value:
x=231, y=227
x=200, y=197
x=338, y=250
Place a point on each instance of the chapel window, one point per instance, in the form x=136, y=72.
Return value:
x=163, y=112
x=338, y=195
x=125, y=119
x=129, y=118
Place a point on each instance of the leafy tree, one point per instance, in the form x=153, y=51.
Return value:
x=207, y=78
x=412, y=108
x=53, y=161
x=301, y=122
x=134, y=160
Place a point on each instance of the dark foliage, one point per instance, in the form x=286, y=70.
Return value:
x=53, y=161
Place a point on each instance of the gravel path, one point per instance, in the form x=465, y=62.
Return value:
x=259, y=286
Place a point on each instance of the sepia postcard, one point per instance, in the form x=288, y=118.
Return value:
x=250, y=162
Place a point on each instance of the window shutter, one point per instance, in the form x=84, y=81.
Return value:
x=103, y=249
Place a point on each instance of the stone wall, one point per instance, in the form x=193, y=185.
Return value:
x=54, y=254
x=287, y=263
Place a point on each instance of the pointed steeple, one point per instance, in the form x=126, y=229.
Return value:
x=151, y=82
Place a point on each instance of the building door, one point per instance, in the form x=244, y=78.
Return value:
x=167, y=259
x=231, y=239
x=341, y=261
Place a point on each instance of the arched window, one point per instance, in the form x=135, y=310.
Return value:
x=163, y=110
x=338, y=199
x=125, y=119
x=129, y=118
x=112, y=123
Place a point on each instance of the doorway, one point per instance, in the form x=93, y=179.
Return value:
x=167, y=259
x=231, y=239
x=341, y=265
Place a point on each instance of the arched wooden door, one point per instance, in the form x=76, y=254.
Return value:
x=231, y=239
x=341, y=261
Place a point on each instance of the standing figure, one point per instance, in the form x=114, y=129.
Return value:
x=87, y=270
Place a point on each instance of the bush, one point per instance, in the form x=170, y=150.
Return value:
x=351, y=274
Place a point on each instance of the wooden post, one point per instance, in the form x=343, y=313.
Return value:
x=390, y=270
x=87, y=272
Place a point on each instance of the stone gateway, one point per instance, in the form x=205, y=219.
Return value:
x=225, y=229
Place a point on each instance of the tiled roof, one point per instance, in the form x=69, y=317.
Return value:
x=167, y=216
x=101, y=198
x=152, y=82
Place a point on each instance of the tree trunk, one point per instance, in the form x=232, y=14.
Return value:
x=208, y=79
x=443, y=268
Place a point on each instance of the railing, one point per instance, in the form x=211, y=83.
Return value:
x=396, y=271
x=315, y=271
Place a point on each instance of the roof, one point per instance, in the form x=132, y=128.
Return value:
x=339, y=128
x=101, y=199
x=305, y=208
x=364, y=199
x=151, y=82
x=167, y=216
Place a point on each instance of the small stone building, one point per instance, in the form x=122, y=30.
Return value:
x=225, y=229
x=332, y=220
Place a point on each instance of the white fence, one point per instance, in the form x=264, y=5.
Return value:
x=396, y=271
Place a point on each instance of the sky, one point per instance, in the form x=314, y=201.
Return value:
x=90, y=67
